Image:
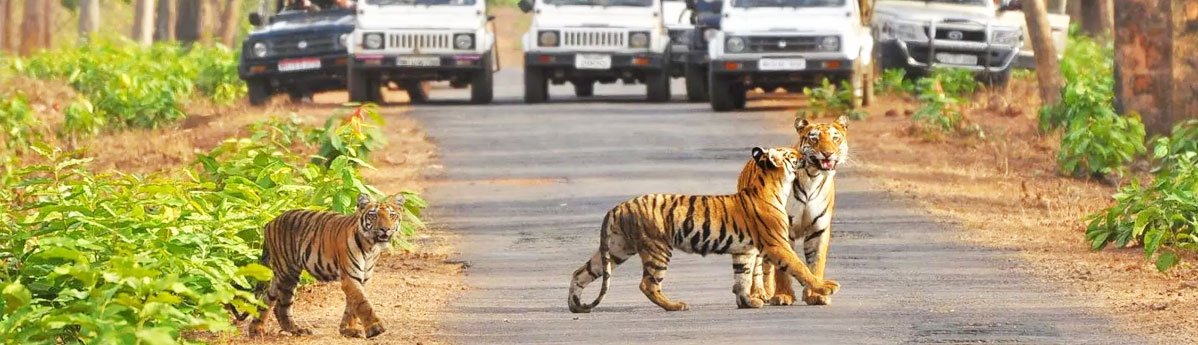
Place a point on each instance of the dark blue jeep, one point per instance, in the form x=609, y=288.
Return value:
x=299, y=52
x=706, y=17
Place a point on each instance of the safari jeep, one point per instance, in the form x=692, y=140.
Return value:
x=677, y=19
x=299, y=52
x=789, y=44
x=595, y=41
x=407, y=43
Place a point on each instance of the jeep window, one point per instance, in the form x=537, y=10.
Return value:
x=634, y=3
x=960, y=2
x=788, y=3
x=420, y=2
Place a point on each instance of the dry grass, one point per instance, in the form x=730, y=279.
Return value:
x=1006, y=192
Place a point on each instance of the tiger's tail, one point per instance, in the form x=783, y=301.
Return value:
x=574, y=301
x=258, y=288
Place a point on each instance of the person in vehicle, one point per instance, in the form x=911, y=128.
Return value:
x=314, y=5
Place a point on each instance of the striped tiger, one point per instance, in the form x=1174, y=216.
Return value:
x=745, y=224
x=813, y=200
x=331, y=247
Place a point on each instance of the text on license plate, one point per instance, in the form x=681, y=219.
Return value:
x=957, y=59
x=418, y=61
x=781, y=64
x=298, y=65
x=592, y=61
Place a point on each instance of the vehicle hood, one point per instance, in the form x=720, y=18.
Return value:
x=588, y=16
x=783, y=20
x=335, y=21
x=930, y=11
x=675, y=14
x=422, y=17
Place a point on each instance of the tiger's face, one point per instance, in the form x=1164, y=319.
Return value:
x=823, y=145
x=784, y=158
x=378, y=221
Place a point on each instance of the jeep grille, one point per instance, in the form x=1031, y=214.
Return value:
x=290, y=46
x=594, y=38
x=778, y=44
x=410, y=40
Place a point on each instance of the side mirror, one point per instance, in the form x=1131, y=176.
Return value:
x=255, y=19
x=525, y=6
x=490, y=17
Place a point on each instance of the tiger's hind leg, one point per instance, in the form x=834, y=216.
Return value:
x=743, y=269
x=286, y=290
x=268, y=299
x=654, y=263
x=815, y=250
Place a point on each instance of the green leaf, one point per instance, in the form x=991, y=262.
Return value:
x=256, y=271
x=16, y=296
x=156, y=336
x=1165, y=261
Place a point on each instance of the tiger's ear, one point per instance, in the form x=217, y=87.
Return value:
x=843, y=121
x=399, y=200
x=800, y=124
x=757, y=153
x=363, y=201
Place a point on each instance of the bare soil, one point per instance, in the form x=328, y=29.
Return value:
x=1005, y=192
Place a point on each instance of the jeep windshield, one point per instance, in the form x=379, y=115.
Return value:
x=956, y=2
x=420, y=2
x=633, y=3
x=787, y=3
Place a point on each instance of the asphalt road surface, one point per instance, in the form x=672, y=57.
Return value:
x=526, y=187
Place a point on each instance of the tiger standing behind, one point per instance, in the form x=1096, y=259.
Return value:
x=813, y=200
x=330, y=246
x=751, y=222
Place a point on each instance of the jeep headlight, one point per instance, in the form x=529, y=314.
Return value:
x=709, y=34
x=260, y=49
x=343, y=40
x=904, y=31
x=829, y=43
x=1007, y=37
x=638, y=39
x=547, y=38
x=463, y=41
x=734, y=45
x=373, y=40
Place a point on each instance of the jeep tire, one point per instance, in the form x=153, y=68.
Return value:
x=482, y=83
x=536, y=86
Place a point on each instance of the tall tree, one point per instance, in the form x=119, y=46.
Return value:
x=1156, y=51
x=168, y=17
x=5, y=21
x=190, y=26
x=49, y=23
x=1048, y=71
x=143, y=21
x=31, y=28
x=89, y=18
x=1097, y=18
x=230, y=23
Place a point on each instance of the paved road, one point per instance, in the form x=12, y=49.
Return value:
x=526, y=187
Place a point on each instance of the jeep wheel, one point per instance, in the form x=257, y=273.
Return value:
x=362, y=89
x=536, y=87
x=584, y=88
x=740, y=96
x=720, y=91
x=696, y=83
x=657, y=86
x=417, y=91
x=259, y=92
x=482, y=84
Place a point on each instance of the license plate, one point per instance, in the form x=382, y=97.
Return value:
x=298, y=65
x=592, y=61
x=418, y=61
x=957, y=59
x=781, y=64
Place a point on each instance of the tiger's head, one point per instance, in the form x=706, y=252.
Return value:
x=784, y=160
x=378, y=221
x=823, y=145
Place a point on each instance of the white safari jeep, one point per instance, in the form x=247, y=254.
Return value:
x=589, y=41
x=789, y=44
x=412, y=42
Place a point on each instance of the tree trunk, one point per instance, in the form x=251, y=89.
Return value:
x=89, y=18
x=31, y=28
x=1156, y=61
x=1096, y=17
x=48, y=24
x=143, y=22
x=4, y=20
x=168, y=17
x=1048, y=71
x=190, y=27
x=230, y=23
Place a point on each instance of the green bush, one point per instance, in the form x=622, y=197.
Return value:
x=353, y=136
x=17, y=123
x=119, y=258
x=942, y=95
x=829, y=100
x=894, y=81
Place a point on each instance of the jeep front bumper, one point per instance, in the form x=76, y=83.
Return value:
x=955, y=54
x=619, y=61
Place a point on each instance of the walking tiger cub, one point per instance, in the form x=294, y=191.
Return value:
x=330, y=246
x=753, y=221
x=812, y=202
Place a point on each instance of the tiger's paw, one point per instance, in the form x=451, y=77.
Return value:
x=677, y=306
x=812, y=299
x=825, y=288
x=782, y=299
x=255, y=330
x=749, y=302
x=351, y=332
x=300, y=331
x=375, y=330
x=759, y=293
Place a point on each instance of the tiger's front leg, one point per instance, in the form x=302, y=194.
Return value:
x=743, y=269
x=815, y=249
x=760, y=290
x=357, y=306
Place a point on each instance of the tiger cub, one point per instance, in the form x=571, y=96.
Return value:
x=330, y=246
x=812, y=202
x=746, y=224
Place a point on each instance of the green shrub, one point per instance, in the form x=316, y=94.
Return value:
x=894, y=81
x=82, y=118
x=942, y=96
x=828, y=100
x=17, y=122
x=1101, y=145
x=1166, y=150
x=353, y=136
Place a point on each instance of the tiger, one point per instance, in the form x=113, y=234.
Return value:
x=746, y=224
x=813, y=200
x=331, y=247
